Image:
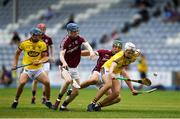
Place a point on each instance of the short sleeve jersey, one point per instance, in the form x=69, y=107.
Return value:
x=32, y=52
x=104, y=55
x=73, y=50
x=48, y=42
x=122, y=61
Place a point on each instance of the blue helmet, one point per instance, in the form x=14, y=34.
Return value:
x=72, y=27
x=35, y=31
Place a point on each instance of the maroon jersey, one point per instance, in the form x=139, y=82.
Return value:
x=104, y=55
x=73, y=50
x=48, y=42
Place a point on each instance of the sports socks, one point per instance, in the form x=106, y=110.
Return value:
x=94, y=100
x=60, y=96
x=99, y=104
x=16, y=98
x=33, y=93
x=65, y=103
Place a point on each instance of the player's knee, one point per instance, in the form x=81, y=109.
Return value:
x=108, y=85
x=35, y=82
x=68, y=82
x=116, y=94
x=47, y=83
x=94, y=81
x=22, y=83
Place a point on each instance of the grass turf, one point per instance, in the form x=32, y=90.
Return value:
x=159, y=104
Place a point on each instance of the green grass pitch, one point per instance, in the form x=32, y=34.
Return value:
x=159, y=104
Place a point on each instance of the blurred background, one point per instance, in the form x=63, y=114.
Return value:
x=152, y=25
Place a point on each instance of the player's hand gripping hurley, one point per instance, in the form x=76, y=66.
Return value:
x=17, y=67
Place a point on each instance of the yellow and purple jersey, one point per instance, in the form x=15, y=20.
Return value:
x=121, y=61
x=32, y=52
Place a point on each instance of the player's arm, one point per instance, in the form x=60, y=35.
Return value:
x=51, y=48
x=112, y=67
x=87, y=53
x=62, y=59
x=44, y=58
x=16, y=58
x=87, y=45
x=114, y=64
x=125, y=74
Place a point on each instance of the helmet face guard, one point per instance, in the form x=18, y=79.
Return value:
x=130, y=49
x=117, y=46
x=36, y=34
x=35, y=31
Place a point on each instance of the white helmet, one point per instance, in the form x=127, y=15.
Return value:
x=130, y=46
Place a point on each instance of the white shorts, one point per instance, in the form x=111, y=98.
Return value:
x=33, y=74
x=100, y=82
x=106, y=71
x=46, y=66
x=74, y=73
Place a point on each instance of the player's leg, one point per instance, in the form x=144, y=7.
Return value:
x=94, y=79
x=70, y=98
x=34, y=89
x=75, y=76
x=43, y=78
x=43, y=89
x=22, y=81
x=68, y=80
x=110, y=99
x=116, y=100
x=46, y=68
x=113, y=94
x=107, y=85
x=91, y=81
